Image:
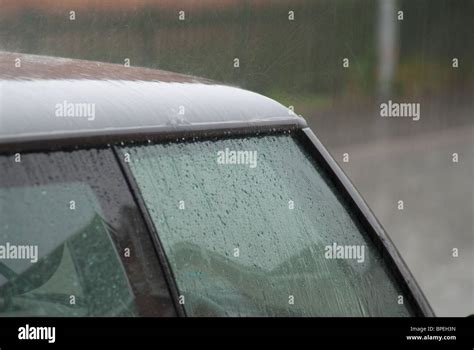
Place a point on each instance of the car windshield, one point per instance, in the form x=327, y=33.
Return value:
x=253, y=227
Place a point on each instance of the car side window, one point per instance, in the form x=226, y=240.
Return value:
x=72, y=241
x=252, y=226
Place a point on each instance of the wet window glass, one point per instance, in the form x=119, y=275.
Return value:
x=252, y=227
x=72, y=242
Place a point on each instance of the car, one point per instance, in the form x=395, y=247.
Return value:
x=128, y=191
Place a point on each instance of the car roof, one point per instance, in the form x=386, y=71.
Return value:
x=48, y=98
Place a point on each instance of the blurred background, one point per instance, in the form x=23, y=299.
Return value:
x=334, y=61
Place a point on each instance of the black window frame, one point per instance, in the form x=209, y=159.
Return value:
x=366, y=218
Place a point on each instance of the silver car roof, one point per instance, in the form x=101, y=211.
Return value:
x=47, y=98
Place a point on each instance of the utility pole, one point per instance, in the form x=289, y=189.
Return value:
x=387, y=46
